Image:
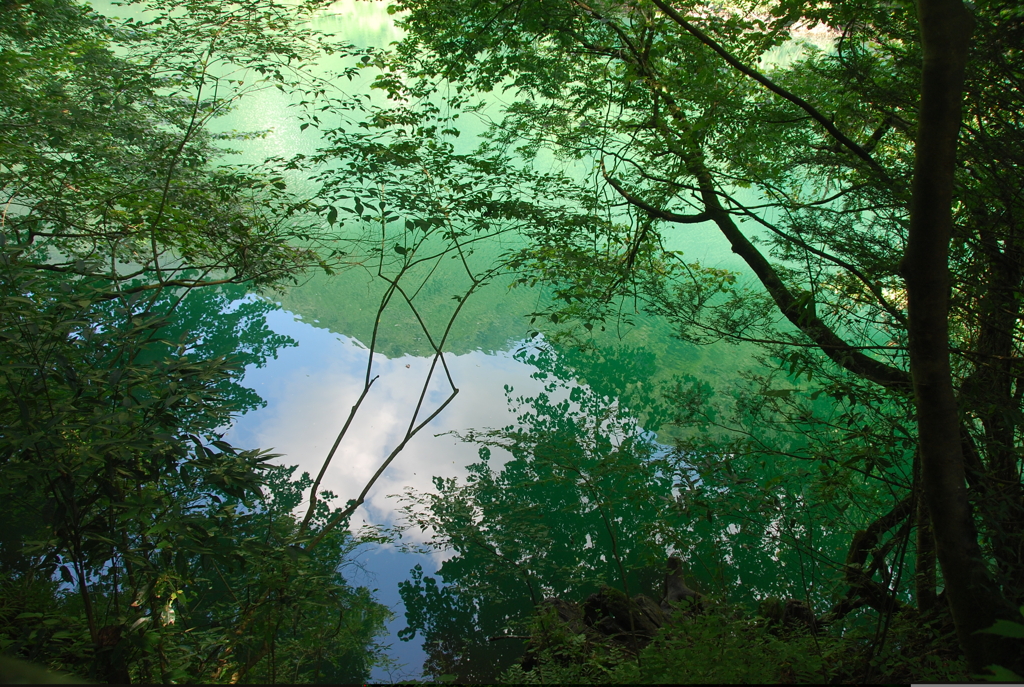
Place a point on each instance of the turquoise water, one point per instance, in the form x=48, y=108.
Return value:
x=309, y=388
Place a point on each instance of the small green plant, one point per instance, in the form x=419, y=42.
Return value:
x=1004, y=628
x=721, y=647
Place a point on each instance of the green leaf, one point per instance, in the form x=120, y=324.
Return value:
x=999, y=674
x=1005, y=628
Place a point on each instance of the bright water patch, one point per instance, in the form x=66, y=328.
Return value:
x=309, y=390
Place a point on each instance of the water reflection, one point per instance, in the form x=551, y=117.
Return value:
x=309, y=390
x=569, y=466
x=569, y=493
x=579, y=504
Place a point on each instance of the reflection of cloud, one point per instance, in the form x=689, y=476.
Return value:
x=310, y=390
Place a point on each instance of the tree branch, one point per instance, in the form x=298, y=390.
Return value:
x=773, y=87
x=797, y=310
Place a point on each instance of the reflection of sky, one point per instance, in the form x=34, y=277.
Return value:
x=309, y=391
x=311, y=388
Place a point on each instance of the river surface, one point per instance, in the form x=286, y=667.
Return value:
x=309, y=387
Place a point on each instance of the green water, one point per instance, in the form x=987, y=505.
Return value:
x=564, y=408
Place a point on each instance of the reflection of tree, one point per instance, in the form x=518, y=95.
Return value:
x=222, y=322
x=586, y=489
x=765, y=489
x=760, y=505
x=135, y=543
x=575, y=507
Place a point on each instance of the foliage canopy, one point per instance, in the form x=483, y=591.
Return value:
x=792, y=130
x=136, y=544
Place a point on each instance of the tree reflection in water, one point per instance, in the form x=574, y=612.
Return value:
x=578, y=494
x=578, y=504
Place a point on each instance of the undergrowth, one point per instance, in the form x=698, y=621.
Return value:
x=727, y=646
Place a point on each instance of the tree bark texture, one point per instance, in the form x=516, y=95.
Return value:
x=974, y=598
x=924, y=564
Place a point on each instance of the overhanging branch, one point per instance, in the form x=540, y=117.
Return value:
x=825, y=122
x=797, y=310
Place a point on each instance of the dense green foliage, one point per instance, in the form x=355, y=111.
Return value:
x=796, y=147
x=726, y=646
x=138, y=544
x=135, y=543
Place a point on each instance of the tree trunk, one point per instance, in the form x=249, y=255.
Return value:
x=989, y=392
x=974, y=598
x=924, y=564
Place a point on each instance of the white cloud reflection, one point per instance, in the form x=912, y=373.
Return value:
x=311, y=388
